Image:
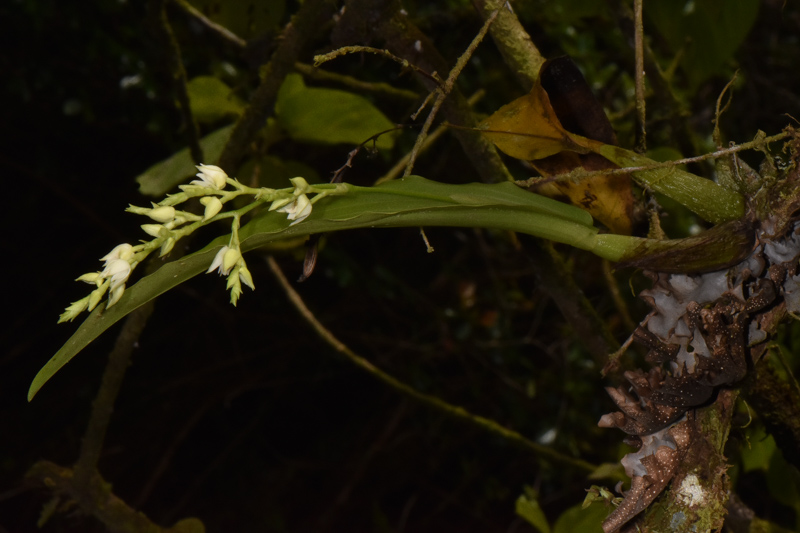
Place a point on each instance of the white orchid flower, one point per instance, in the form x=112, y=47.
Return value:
x=117, y=272
x=211, y=176
x=298, y=210
x=225, y=260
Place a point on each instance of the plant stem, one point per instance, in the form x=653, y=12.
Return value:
x=431, y=401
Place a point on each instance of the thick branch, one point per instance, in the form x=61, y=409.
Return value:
x=294, y=38
x=514, y=43
x=97, y=499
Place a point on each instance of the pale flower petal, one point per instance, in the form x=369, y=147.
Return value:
x=246, y=277
x=117, y=271
x=213, y=206
x=115, y=295
x=154, y=230
x=298, y=210
x=211, y=176
x=122, y=251
x=164, y=213
x=217, y=262
x=229, y=260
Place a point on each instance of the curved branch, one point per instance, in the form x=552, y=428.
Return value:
x=454, y=411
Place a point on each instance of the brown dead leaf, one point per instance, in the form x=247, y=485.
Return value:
x=528, y=128
x=533, y=128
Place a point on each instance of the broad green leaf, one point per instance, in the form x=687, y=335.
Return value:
x=167, y=174
x=211, y=99
x=708, y=31
x=576, y=519
x=757, y=455
x=329, y=116
x=528, y=509
x=413, y=201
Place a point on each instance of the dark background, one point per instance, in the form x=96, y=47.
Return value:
x=242, y=417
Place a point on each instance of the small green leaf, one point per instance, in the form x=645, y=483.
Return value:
x=584, y=520
x=167, y=174
x=211, y=99
x=329, y=116
x=528, y=508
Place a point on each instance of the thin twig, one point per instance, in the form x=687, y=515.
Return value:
x=579, y=174
x=221, y=31
x=380, y=88
x=619, y=301
x=324, y=58
x=430, y=140
x=432, y=401
x=638, y=39
x=445, y=89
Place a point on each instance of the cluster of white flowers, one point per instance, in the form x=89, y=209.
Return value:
x=171, y=224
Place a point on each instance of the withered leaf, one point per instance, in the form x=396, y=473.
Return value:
x=532, y=128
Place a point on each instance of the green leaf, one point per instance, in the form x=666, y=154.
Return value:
x=167, y=174
x=413, y=201
x=528, y=508
x=708, y=31
x=211, y=99
x=761, y=448
x=587, y=520
x=704, y=197
x=329, y=116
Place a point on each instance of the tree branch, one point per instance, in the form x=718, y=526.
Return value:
x=440, y=405
x=262, y=105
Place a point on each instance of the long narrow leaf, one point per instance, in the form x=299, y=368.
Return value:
x=413, y=201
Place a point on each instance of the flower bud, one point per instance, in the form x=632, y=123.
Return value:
x=300, y=185
x=246, y=277
x=213, y=206
x=167, y=247
x=94, y=298
x=164, y=213
x=74, y=310
x=91, y=277
x=230, y=259
x=154, y=230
